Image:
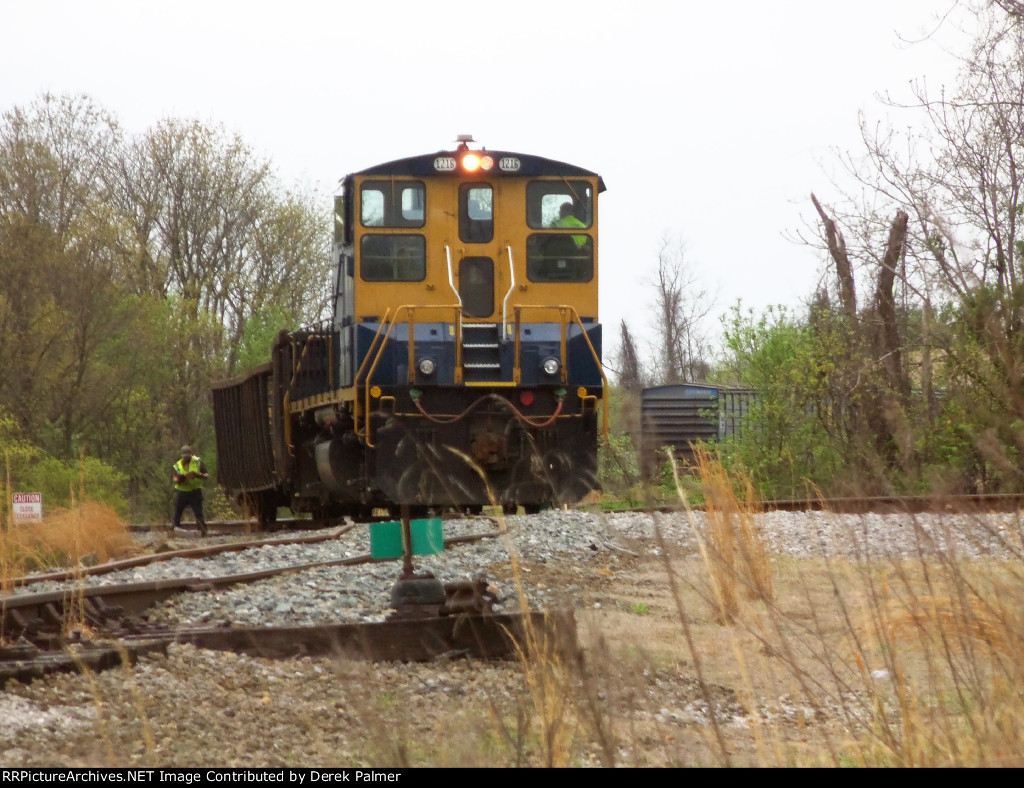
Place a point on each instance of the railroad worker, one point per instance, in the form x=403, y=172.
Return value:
x=566, y=218
x=188, y=476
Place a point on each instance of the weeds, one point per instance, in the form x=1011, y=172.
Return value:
x=89, y=532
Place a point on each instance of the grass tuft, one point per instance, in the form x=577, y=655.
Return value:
x=88, y=532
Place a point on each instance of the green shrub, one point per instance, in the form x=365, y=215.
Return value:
x=62, y=483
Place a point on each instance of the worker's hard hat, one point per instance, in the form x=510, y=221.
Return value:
x=186, y=450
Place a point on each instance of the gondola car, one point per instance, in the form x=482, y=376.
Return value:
x=462, y=366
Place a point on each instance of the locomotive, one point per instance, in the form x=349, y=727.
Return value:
x=462, y=364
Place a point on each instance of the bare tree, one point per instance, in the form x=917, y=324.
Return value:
x=681, y=307
x=836, y=245
x=212, y=229
x=216, y=229
x=61, y=265
x=128, y=270
x=1014, y=8
x=888, y=340
x=953, y=251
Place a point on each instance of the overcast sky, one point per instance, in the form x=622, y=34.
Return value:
x=709, y=121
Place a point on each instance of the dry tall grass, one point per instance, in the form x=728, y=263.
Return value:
x=920, y=657
x=88, y=531
x=735, y=552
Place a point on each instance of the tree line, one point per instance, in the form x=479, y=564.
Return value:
x=904, y=373
x=137, y=269
x=134, y=271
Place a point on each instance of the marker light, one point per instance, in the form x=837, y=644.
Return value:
x=526, y=397
x=471, y=162
x=550, y=366
x=427, y=366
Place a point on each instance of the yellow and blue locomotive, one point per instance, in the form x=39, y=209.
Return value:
x=462, y=367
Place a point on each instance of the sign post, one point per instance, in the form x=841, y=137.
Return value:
x=27, y=507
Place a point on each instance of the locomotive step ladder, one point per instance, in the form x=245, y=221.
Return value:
x=481, y=352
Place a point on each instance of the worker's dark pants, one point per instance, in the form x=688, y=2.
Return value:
x=191, y=499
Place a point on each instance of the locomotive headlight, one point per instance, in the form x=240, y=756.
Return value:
x=486, y=162
x=550, y=366
x=427, y=366
x=471, y=162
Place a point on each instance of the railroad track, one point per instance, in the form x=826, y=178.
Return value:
x=998, y=502
x=963, y=504
x=81, y=624
x=101, y=626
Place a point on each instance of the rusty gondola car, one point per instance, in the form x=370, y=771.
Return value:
x=462, y=366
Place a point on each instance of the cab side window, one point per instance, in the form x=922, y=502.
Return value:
x=559, y=258
x=393, y=258
x=564, y=209
x=545, y=201
x=392, y=204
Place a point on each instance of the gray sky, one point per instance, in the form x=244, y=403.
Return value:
x=709, y=121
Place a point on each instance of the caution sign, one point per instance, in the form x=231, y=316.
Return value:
x=28, y=507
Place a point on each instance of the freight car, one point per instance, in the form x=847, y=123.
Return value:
x=680, y=415
x=462, y=366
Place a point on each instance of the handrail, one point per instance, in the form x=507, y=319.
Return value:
x=359, y=372
x=458, y=317
x=562, y=309
x=511, y=287
x=451, y=280
x=384, y=333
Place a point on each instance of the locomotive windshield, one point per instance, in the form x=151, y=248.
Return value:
x=476, y=213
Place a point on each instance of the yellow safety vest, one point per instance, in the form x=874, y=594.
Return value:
x=572, y=221
x=193, y=467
